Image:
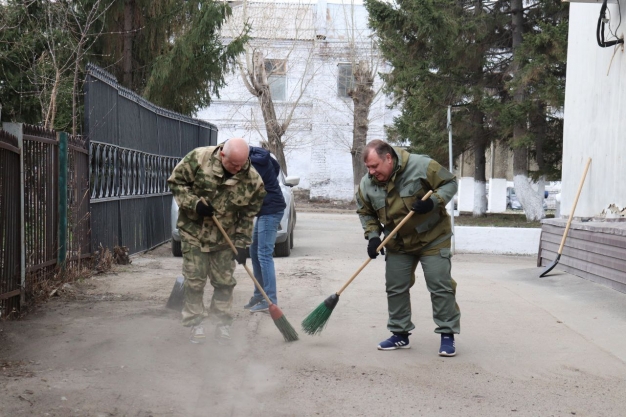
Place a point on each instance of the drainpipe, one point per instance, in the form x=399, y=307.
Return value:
x=16, y=129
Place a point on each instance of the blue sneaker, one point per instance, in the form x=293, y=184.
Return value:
x=262, y=306
x=253, y=301
x=396, y=341
x=447, y=345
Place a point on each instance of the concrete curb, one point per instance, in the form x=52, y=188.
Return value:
x=497, y=240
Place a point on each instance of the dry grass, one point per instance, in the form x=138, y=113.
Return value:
x=59, y=283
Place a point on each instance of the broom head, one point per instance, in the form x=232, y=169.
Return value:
x=315, y=322
x=288, y=332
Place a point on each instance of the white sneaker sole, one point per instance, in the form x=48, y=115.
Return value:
x=447, y=354
x=395, y=347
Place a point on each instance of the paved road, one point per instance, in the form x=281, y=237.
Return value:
x=529, y=346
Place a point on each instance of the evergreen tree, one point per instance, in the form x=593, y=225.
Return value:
x=443, y=52
x=24, y=63
x=500, y=64
x=170, y=51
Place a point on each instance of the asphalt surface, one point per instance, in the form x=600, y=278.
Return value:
x=528, y=346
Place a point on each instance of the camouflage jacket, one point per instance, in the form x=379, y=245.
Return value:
x=236, y=199
x=382, y=206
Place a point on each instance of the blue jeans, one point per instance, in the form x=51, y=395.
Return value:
x=261, y=253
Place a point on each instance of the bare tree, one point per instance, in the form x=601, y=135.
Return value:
x=360, y=51
x=281, y=48
x=69, y=36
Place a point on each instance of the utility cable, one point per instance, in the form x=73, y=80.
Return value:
x=602, y=20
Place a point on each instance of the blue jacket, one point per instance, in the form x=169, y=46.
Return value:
x=269, y=169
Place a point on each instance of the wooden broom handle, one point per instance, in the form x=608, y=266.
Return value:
x=232, y=246
x=382, y=244
x=571, y=215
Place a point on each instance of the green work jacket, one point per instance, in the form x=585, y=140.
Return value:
x=236, y=199
x=382, y=206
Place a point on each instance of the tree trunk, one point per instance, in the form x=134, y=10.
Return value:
x=501, y=159
x=273, y=129
x=362, y=97
x=127, y=52
x=52, y=108
x=523, y=189
x=480, y=180
x=75, y=90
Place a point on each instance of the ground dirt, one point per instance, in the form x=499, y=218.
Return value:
x=107, y=346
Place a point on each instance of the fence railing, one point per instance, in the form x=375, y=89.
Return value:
x=134, y=147
x=44, y=207
x=10, y=234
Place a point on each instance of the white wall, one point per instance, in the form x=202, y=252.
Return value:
x=317, y=143
x=466, y=194
x=497, y=195
x=595, y=105
x=497, y=240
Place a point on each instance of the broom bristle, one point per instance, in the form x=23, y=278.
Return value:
x=314, y=323
x=288, y=332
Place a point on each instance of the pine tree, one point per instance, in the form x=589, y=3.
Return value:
x=170, y=51
x=443, y=53
x=500, y=64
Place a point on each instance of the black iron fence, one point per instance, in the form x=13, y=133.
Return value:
x=134, y=145
x=10, y=240
x=41, y=201
x=44, y=219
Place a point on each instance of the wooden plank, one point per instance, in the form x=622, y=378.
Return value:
x=618, y=286
x=9, y=294
x=617, y=264
x=593, y=265
x=609, y=251
x=598, y=237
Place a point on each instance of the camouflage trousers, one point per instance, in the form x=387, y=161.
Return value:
x=218, y=267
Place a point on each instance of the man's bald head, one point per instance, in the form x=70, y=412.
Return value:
x=235, y=155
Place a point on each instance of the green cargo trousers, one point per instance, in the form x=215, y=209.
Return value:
x=400, y=277
x=218, y=267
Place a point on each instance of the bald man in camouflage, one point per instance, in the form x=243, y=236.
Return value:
x=394, y=185
x=234, y=192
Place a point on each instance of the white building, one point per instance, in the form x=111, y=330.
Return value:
x=595, y=105
x=311, y=49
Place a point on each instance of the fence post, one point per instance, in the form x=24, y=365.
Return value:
x=62, y=137
x=17, y=130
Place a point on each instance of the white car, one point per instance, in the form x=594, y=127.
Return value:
x=284, y=237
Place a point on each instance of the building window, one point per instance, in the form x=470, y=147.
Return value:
x=276, y=70
x=345, y=80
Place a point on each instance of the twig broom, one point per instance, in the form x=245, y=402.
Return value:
x=288, y=332
x=315, y=322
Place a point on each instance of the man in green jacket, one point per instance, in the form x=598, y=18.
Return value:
x=232, y=189
x=395, y=184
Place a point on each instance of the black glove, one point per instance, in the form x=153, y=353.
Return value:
x=372, y=246
x=205, y=210
x=422, y=207
x=241, y=256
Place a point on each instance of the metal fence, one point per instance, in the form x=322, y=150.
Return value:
x=44, y=203
x=78, y=215
x=134, y=145
x=41, y=201
x=10, y=240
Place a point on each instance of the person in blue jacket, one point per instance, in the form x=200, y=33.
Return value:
x=265, y=229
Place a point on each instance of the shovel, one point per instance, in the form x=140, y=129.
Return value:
x=177, y=296
x=569, y=222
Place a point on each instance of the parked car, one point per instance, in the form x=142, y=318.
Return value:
x=284, y=237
